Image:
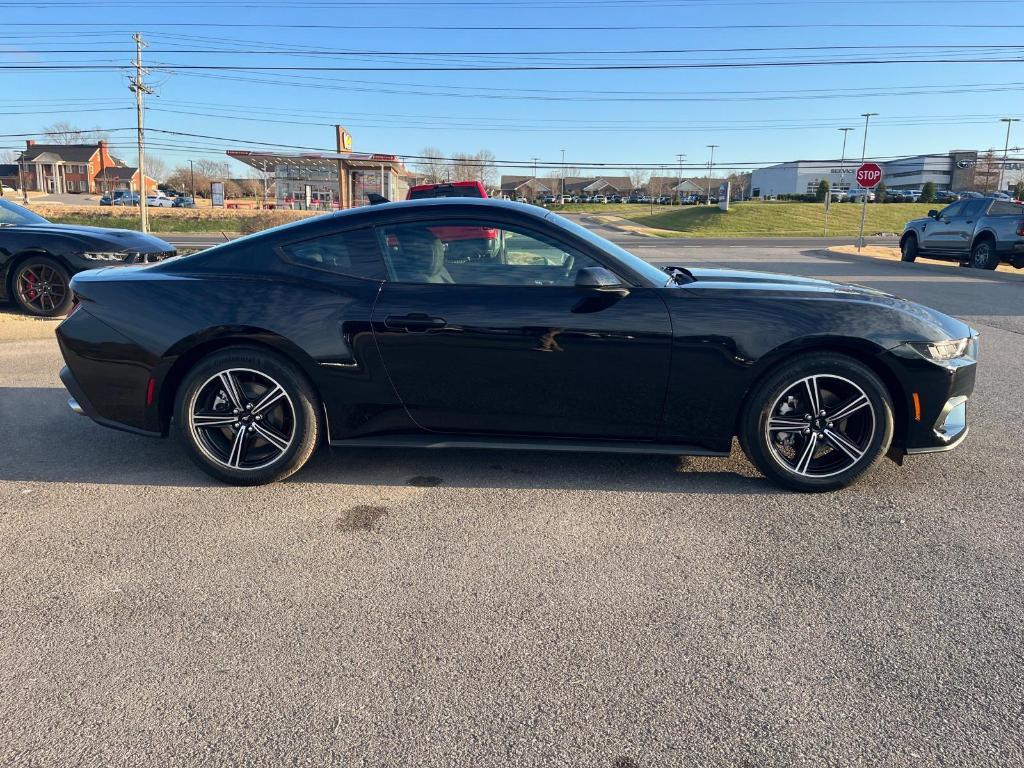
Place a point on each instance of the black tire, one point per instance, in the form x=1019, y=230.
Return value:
x=909, y=249
x=983, y=254
x=52, y=297
x=237, y=421
x=839, y=380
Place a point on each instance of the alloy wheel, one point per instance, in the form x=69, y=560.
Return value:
x=242, y=419
x=41, y=287
x=820, y=426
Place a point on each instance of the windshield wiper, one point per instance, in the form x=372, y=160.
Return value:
x=679, y=275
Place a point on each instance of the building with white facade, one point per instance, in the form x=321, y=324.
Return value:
x=951, y=170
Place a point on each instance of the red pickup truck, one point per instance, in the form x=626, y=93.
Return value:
x=462, y=243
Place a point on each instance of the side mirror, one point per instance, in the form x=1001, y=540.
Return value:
x=933, y=214
x=599, y=279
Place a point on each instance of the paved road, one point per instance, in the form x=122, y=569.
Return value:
x=503, y=609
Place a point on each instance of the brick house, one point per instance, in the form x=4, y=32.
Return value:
x=61, y=168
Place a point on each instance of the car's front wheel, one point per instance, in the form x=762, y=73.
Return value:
x=41, y=287
x=818, y=422
x=247, y=416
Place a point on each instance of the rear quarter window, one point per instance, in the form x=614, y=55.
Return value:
x=354, y=253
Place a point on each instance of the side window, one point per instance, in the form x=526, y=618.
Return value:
x=952, y=211
x=1004, y=208
x=353, y=253
x=975, y=208
x=468, y=253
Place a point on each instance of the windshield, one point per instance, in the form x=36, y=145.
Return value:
x=649, y=271
x=12, y=215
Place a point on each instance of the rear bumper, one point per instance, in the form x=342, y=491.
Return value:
x=106, y=374
x=79, y=403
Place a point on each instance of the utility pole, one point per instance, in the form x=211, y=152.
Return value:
x=842, y=175
x=563, y=175
x=863, y=154
x=192, y=175
x=711, y=166
x=138, y=87
x=1006, y=147
x=679, y=185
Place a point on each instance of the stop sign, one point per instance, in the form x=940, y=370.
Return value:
x=869, y=175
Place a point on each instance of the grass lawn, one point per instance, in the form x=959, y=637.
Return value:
x=757, y=219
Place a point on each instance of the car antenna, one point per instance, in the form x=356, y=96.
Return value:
x=376, y=199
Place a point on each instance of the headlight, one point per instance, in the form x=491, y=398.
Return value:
x=942, y=351
x=103, y=256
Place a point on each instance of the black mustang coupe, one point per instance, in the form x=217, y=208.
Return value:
x=37, y=258
x=362, y=328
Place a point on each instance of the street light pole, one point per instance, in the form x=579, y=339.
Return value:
x=863, y=153
x=1006, y=147
x=711, y=167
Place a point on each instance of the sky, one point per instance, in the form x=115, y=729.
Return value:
x=674, y=77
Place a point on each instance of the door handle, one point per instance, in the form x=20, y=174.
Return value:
x=415, y=322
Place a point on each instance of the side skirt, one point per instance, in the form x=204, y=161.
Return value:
x=523, y=444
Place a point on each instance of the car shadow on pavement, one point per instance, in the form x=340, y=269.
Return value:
x=46, y=442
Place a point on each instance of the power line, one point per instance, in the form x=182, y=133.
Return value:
x=726, y=65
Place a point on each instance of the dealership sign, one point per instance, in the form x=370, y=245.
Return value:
x=869, y=175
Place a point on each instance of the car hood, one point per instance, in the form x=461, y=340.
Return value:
x=115, y=239
x=930, y=323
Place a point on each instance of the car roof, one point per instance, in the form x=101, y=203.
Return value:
x=445, y=202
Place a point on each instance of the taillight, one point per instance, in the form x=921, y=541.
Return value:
x=491, y=234
x=75, y=306
x=1020, y=228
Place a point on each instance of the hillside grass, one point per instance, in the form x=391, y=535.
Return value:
x=170, y=220
x=771, y=219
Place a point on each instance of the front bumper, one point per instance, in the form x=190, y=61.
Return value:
x=936, y=402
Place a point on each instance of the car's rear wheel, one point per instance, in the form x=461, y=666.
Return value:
x=247, y=416
x=983, y=255
x=818, y=422
x=41, y=286
x=908, y=248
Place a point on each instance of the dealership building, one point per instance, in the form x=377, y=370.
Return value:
x=952, y=170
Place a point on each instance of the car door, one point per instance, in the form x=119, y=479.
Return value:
x=967, y=223
x=940, y=234
x=501, y=341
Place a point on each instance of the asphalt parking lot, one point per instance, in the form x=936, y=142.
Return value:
x=513, y=609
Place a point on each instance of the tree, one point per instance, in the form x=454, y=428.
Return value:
x=432, y=166
x=63, y=132
x=880, y=192
x=1018, y=190
x=821, y=195
x=638, y=178
x=927, y=192
x=156, y=168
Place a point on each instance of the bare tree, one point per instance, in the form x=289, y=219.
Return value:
x=432, y=166
x=63, y=132
x=638, y=177
x=8, y=156
x=156, y=168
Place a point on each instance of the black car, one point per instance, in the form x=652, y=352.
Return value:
x=37, y=258
x=359, y=329
x=183, y=202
